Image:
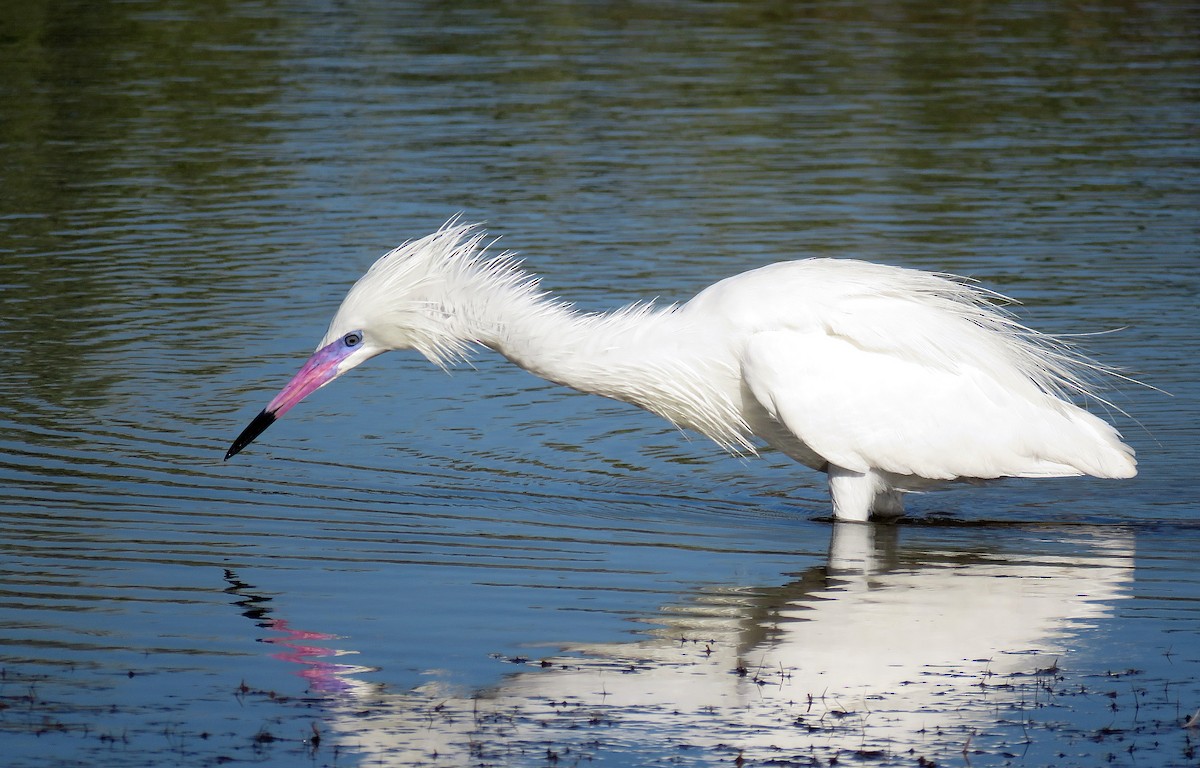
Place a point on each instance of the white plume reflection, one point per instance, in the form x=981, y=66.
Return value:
x=881, y=651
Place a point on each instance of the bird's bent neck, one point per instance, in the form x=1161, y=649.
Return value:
x=590, y=352
x=653, y=358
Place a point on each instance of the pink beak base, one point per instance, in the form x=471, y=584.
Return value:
x=320, y=369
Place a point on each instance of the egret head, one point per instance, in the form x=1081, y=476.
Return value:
x=402, y=302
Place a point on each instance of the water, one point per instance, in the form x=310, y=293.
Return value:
x=420, y=569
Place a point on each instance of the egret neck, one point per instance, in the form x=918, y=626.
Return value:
x=655, y=358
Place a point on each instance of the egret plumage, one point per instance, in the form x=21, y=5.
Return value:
x=887, y=379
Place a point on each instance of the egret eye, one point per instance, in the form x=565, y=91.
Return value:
x=352, y=339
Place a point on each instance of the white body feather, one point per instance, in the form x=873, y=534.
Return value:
x=888, y=379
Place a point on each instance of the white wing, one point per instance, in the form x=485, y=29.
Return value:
x=863, y=410
x=908, y=377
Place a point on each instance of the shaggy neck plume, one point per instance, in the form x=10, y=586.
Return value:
x=639, y=354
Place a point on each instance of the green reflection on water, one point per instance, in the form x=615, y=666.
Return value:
x=124, y=125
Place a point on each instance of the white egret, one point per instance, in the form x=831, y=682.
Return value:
x=887, y=379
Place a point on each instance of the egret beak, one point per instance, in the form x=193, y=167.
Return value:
x=322, y=368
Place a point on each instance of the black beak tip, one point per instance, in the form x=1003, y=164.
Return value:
x=252, y=430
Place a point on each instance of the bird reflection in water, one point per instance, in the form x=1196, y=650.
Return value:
x=297, y=646
x=884, y=648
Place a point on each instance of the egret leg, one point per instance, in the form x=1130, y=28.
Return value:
x=889, y=503
x=852, y=493
x=856, y=495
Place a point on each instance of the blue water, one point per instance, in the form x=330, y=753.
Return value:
x=482, y=568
